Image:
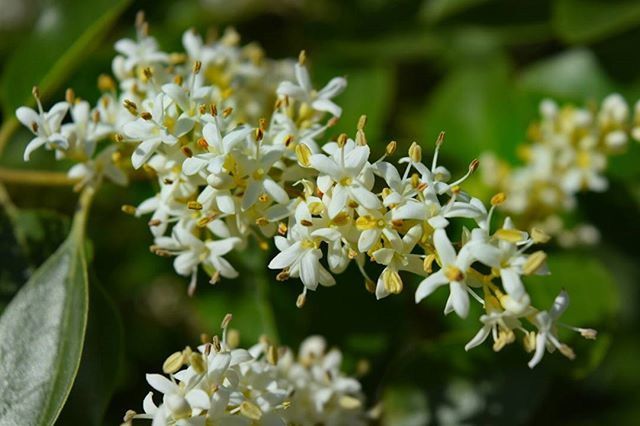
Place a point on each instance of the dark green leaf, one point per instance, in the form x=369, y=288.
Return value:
x=437, y=10
x=64, y=35
x=579, y=21
x=405, y=406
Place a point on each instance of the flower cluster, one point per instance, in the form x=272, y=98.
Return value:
x=567, y=153
x=264, y=385
x=232, y=166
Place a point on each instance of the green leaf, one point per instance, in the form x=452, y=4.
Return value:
x=478, y=109
x=101, y=361
x=65, y=33
x=42, y=333
x=592, y=290
x=579, y=21
x=572, y=75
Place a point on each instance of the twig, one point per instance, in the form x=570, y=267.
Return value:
x=30, y=177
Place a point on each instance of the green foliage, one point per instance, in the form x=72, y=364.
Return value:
x=41, y=337
x=65, y=35
x=580, y=21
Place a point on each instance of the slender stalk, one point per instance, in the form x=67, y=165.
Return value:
x=82, y=211
x=255, y=262
x=31, y=177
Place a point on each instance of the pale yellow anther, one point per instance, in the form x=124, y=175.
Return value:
x=106, y=83
x=567, y=351
x=282, y=275
x=510, y=235
x=427, y=263
x=282, y=228
x=272, y=355
x=250, y=410
x=392, y=281
x=539, y=236
x=303, y=154
x=70, y=95
x=225, y=321
x=302, y=57
x=197, y=363
x=215, y=278
x=233, y=338
x=302, y=298
x=349, y=403
x=588, y=333
x=391, y=148
x=173, y=363
x=262, y=221
x=362, y=122
x=128, y=209
x=342, y=139
x=370, y=286
x=415, y=152
x=534, y=262
x=473, y=166
x=361, y=139
x=529, y=341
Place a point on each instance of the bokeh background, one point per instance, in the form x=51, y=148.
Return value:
x=474, y=68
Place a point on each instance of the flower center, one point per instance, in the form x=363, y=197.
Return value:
x=453, y=273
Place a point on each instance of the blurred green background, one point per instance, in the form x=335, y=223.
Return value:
x=474, y=68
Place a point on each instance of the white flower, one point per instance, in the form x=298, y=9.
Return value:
x=345, y=171
x=143, y=52
x=546, y=337
x=45, y=126
x=453, y=271
x=318, y=100
x=152, y=133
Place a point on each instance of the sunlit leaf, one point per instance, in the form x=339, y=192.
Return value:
x=571, y=75
x=578, y=21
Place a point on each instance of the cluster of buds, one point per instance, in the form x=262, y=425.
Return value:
x=226, y=177
x=567, y=153
x=265, y=385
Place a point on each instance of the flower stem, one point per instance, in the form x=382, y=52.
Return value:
x=82, y=211
x=30, y=177
x=255, y=262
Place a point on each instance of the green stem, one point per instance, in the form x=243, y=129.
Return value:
x=82, y=211
x=6, y=131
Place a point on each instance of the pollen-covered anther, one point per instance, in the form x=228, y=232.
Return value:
x=263, y=198
x=567, y=351
x=145, y=115
x=342, y=140
x=391, y=148
x=215, y=278
x=303, y=154
x=588, y=333
x=262, y=221
x=194, y=205
x=440, y=139
x=539, y=236
x=173, y=363
x=250, y=410
x=154, y=222
x=300, y=301
x=130, y=106
x=197, y=66
x=282, y=228
x=187, y=151
x=534, y=262
x=510, y=235
x=106, y=83
x=473, y=166
x=227, y=112
x=370, y=286
x=361, y=139
x=306, y=222
x=283, y=275
x=69, y=95
x=529, y=341
x=498, y=199
x=128, y=209
x=427, y=263
x=302, y=57
x=272, y=355
x=148, y=73
x=415, y=152
x=197, y=363
x=349, y=402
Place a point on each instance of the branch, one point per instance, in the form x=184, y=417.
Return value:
x=30, y=177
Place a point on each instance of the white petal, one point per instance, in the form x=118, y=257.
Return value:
x=460, y=299
x=276, y=191
x=480, y=337
x=430, y=284
x=445, y=249
x=285, y=258
x=161, y=383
